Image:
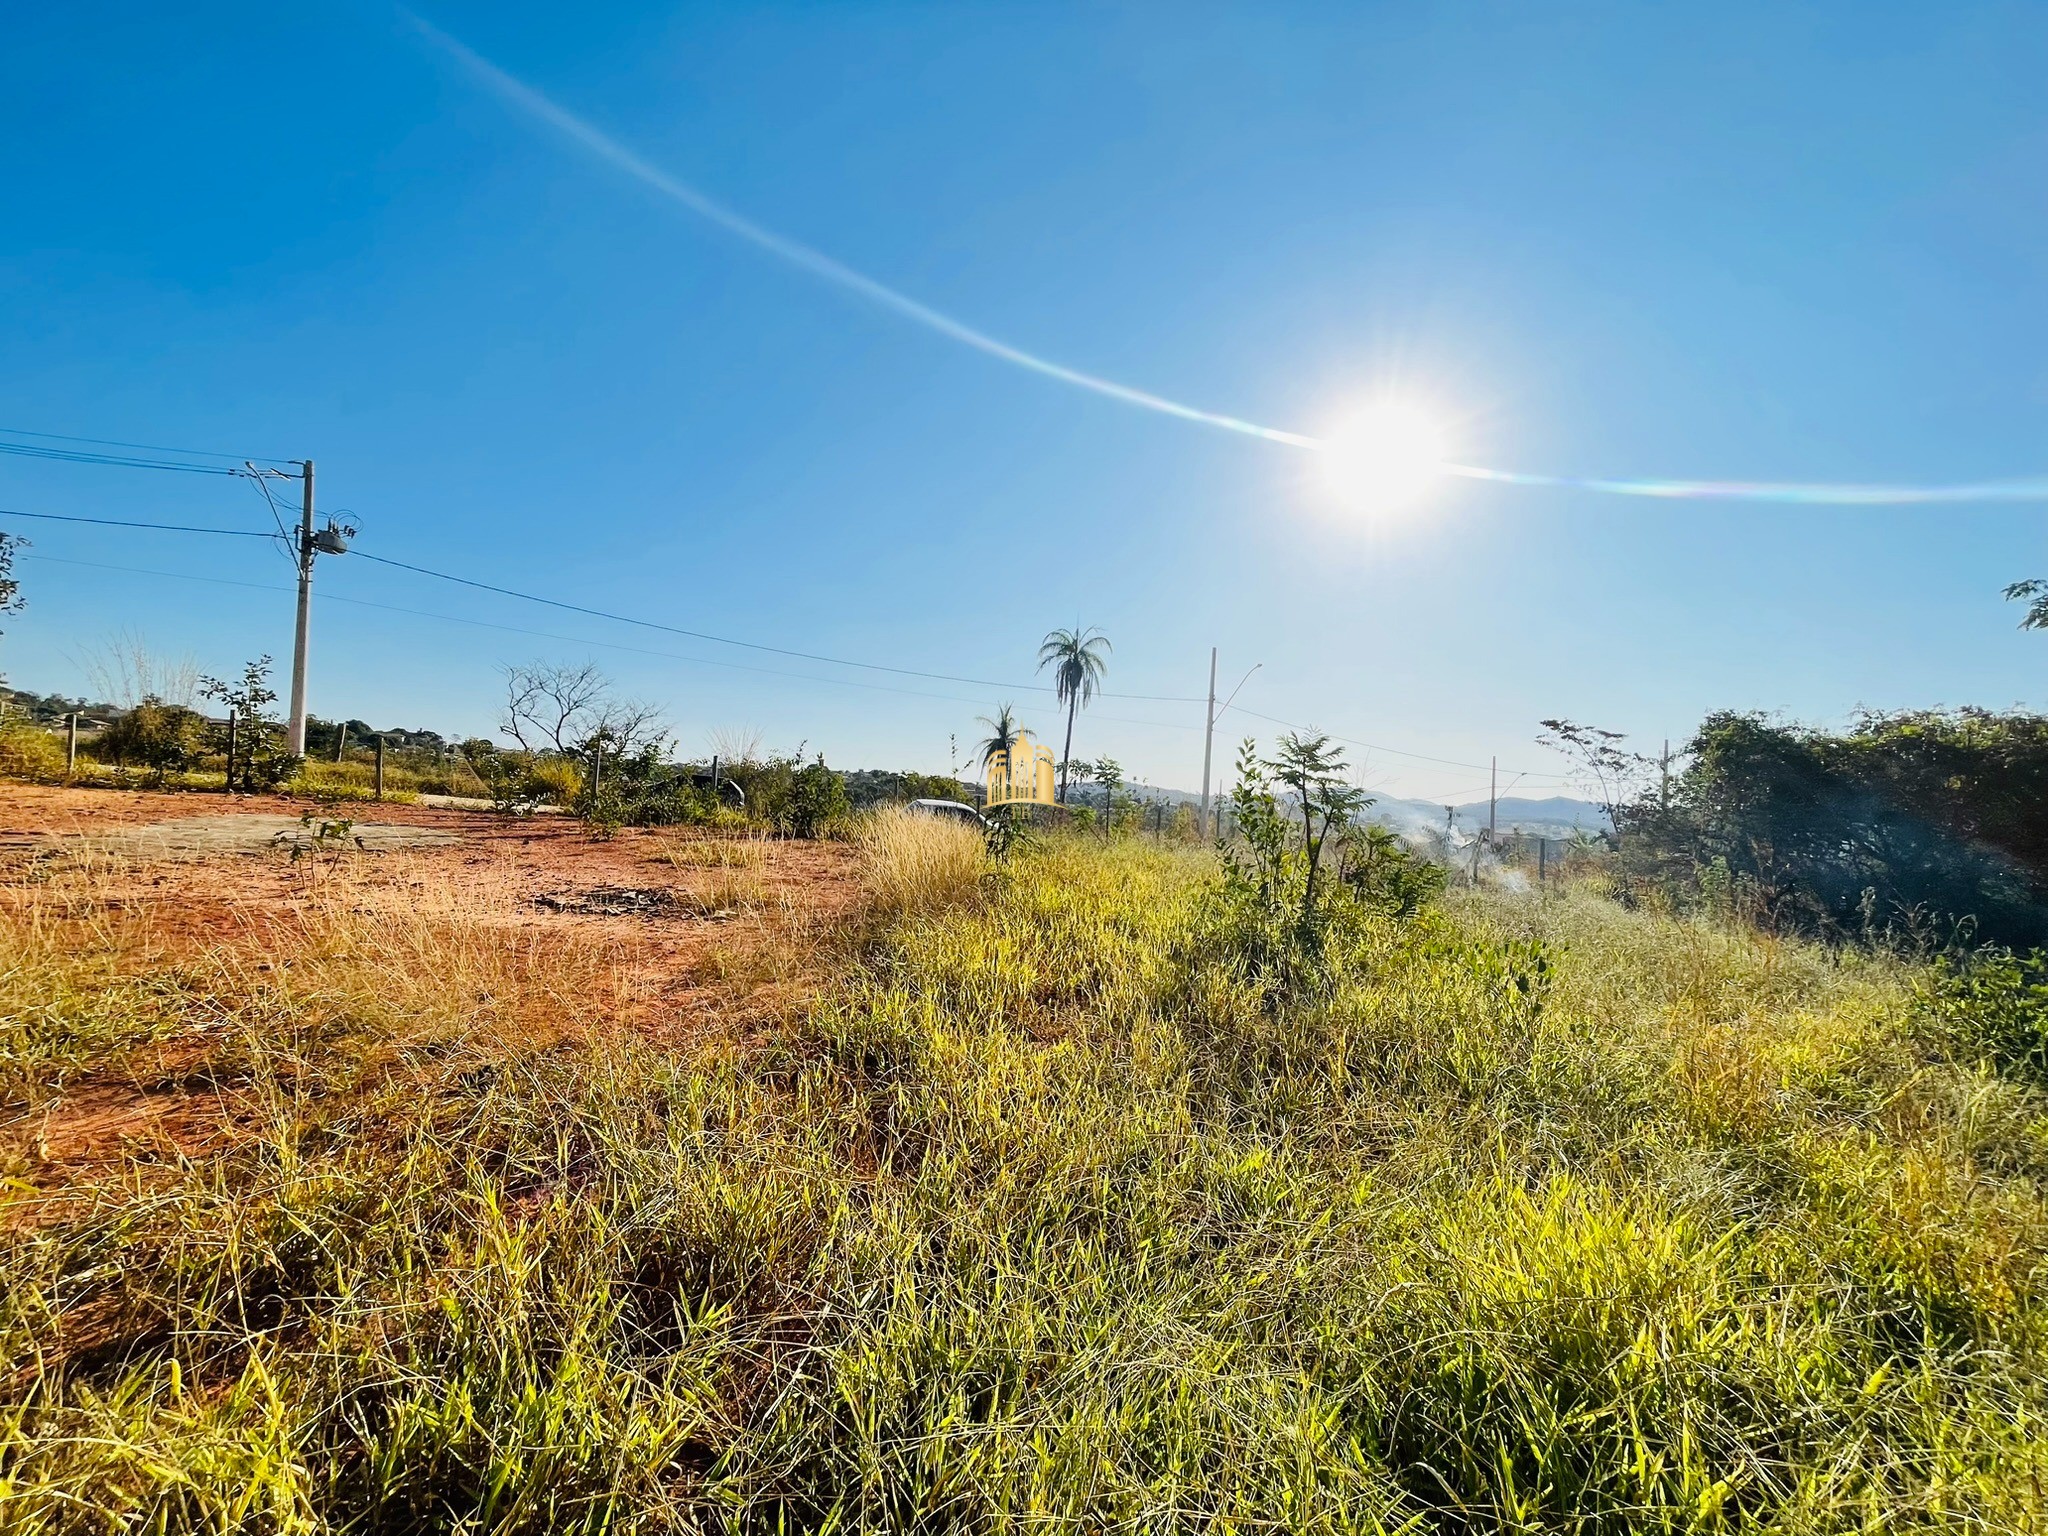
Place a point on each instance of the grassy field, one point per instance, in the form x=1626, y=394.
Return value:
x=1542, y=1216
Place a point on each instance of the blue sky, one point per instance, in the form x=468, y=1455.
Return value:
x=1768, y=242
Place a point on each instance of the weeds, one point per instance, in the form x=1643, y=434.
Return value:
x=1992, y=1008
x=1534, y=1216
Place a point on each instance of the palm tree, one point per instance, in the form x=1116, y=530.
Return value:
x=1079, y=659
x=1003, y=733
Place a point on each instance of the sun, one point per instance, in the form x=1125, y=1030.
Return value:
x=1384, y=459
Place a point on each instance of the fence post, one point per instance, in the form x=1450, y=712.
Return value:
x=379, y=771
x=71, y=745
x=229, y=787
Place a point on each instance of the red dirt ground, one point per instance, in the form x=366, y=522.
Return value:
x=698, y=968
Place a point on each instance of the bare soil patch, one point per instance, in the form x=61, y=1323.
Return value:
x=200, y=837
x=680, y=943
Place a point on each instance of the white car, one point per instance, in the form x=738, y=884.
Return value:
x=949, y=810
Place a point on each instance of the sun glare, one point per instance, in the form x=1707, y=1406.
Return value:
x=1384, y=459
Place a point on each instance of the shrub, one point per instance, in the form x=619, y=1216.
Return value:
x=514, y=782
x=817, y=800
x=1916, y=831
x=559, y=780
x=258, y=760
x=1992, y=1008
x=164, y=738
x=1386, y=875
x=794, y=797
x=27, y=752
x=916, y=863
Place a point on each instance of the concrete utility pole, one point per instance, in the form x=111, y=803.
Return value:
x=1208, y=741
x=295, y=729
x=1664, y=777
x=1209, y=729
x=1493, y=802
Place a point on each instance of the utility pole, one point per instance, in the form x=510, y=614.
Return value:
x=295, y=729
x=1664, y=777
x=331, y=540
x=1208, y=741
x=1493, y=803
x=1209, y=730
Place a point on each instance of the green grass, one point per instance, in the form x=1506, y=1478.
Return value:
x=1544, y=1216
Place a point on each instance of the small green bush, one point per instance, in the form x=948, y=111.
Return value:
x=1992, y=1008
x=163, y=738
x=28, y=752
x=817, y=800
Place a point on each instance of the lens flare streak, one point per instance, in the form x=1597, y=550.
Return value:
x=1793, y=492
x=526, y=99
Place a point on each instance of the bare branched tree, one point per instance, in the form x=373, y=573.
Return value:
x=125, y=671
x=736, y=744
x=1614, y=774
x=557, y=707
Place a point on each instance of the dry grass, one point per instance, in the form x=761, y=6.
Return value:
x=727, y=888
x=367, y=963
x=1048, y=1215
x=919, y=864
x=684, y=852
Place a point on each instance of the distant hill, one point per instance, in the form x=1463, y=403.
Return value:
x=1553, y=816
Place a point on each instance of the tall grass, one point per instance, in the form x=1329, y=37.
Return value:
x=1540, y=1216
x=918, y=864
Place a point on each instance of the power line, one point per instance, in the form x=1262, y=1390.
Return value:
x=112, y=460
x=284, y=535
x=613, y=645
x=1373, y=746
x=115, y=522
x=248, y=533
x=113, y=442
x=752, y=645
x=946, y=677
